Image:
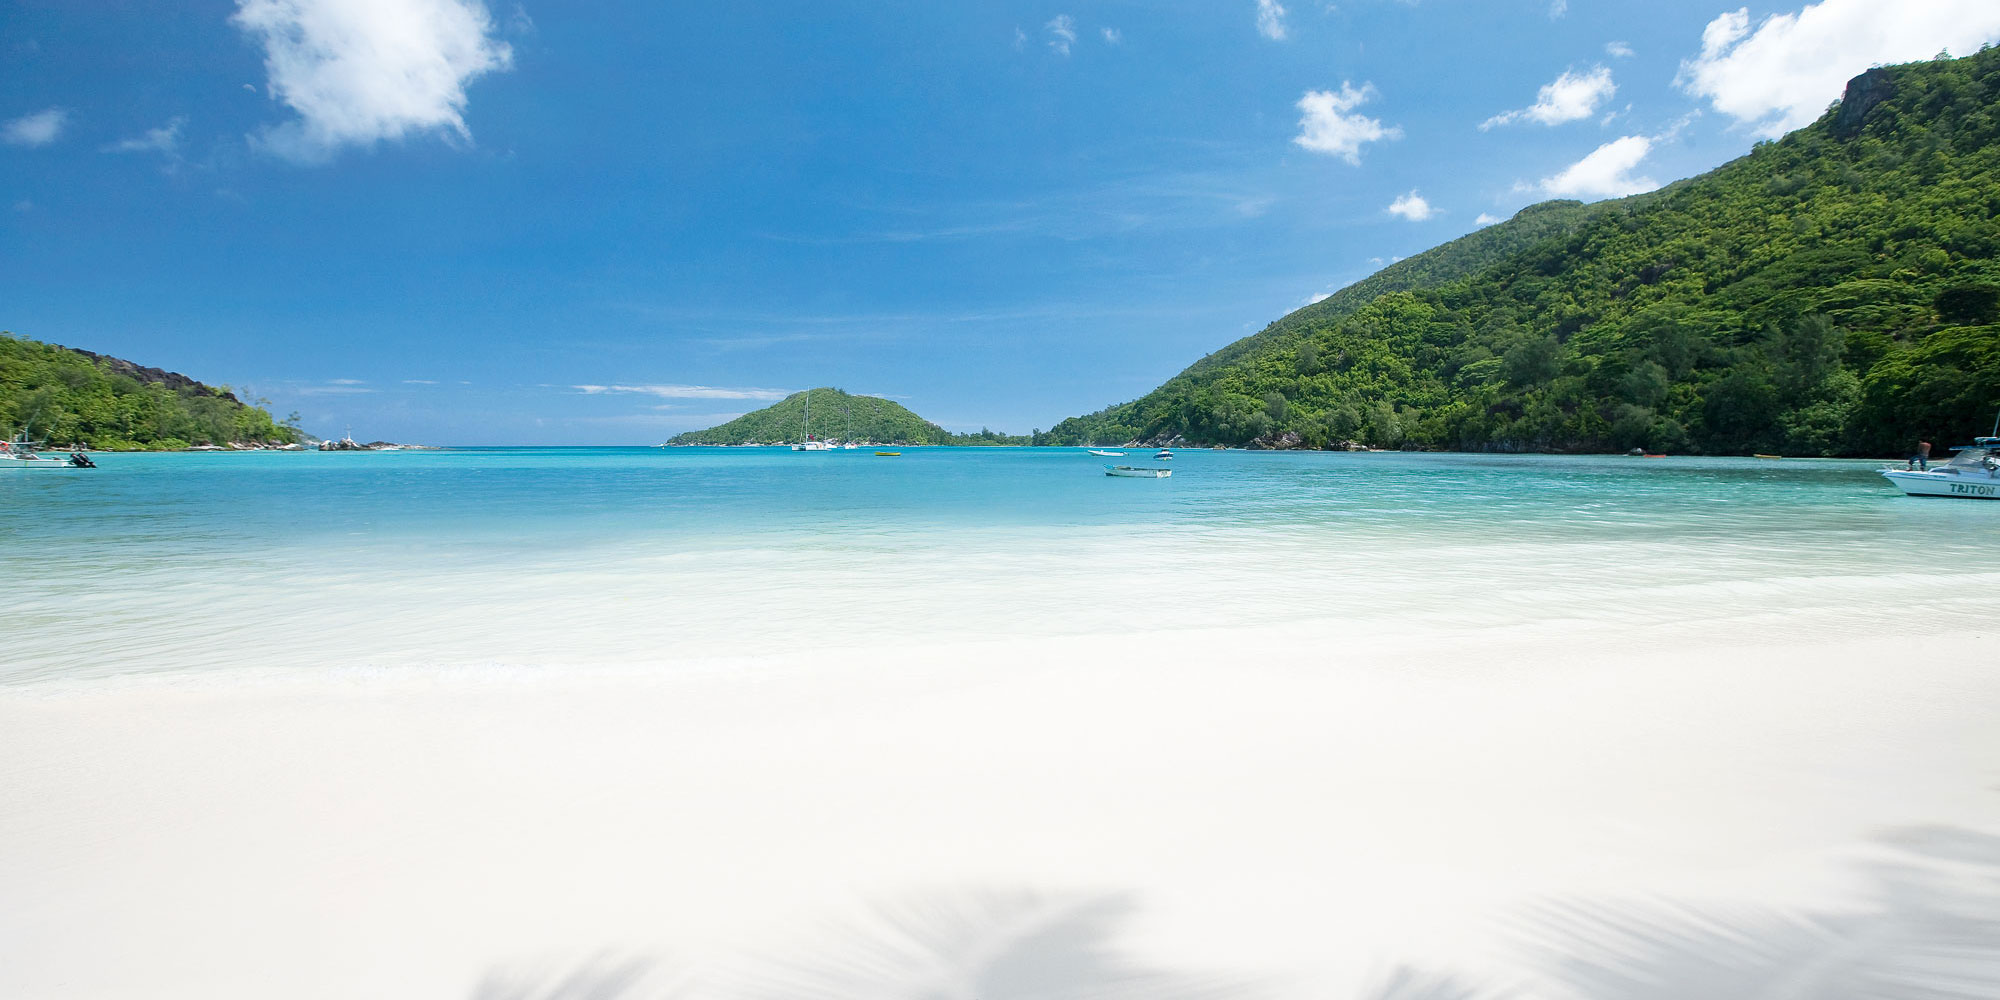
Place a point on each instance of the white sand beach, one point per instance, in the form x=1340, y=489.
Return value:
x=1294, y=812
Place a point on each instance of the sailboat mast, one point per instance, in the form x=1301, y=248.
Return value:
x=806, y=422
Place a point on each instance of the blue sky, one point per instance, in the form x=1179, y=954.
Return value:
x=443, y=221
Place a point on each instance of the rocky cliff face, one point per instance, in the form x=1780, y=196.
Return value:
x=154, y=376
x=1864, y=92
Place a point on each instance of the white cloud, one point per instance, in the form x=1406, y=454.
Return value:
x=1413, y=207
x=1327, y=126
x=1485, y=219
x=1606, y=172
x=1785, y=73
x=164, y=139
x=420, y=381
x=1112, y=36
x=1062, y=33
x=1271, y=20
x=1020, y=39
x=684, y=391
x=361, y=71
x=1557, y=8
x=1618, y=50
x=1318, y=297
x=38, y=129
x=1570, y=97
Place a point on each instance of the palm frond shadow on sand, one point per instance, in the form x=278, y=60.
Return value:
x=1930, y=930
x=981, y=946
x=608, y=977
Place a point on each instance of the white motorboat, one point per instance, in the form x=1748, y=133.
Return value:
x=1131, y=472
x=1162, y=455
x=1972, y=474
x=20, y=453
x=1105, y=454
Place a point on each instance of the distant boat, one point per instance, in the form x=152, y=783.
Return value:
x=1131, y=472
x=806, y=427
x=888, y=454
x=1761, y=455
x=1162, y=455
x=1106, y=454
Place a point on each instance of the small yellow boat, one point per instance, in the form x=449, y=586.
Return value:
x=1766, y=456
x=888, y=454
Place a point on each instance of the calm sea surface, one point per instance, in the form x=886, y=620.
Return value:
x=160, y=563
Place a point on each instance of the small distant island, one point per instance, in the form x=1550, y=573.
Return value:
x=837, y=416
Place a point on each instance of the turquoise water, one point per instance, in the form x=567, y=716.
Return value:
x=159, y=563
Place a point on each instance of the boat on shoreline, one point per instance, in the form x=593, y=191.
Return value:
x=1135, y=472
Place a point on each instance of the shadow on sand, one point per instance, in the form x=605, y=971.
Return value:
x=1928, y=929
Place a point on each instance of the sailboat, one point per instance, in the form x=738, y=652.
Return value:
x=806, y=427
x=847, y=439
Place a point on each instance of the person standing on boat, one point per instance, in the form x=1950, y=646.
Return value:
x=1922, y=459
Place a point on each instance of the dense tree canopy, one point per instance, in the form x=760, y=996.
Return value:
x=1832, y=293
x=64, y=397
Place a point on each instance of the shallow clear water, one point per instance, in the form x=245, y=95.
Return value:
x=591, y=556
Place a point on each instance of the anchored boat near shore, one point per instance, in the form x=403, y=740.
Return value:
x=1972, y=474
x=19, y=453
x=1131, y=472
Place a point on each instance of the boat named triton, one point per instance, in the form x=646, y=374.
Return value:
x=1972, y=474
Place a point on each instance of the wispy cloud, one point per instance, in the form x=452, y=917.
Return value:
x=337, y=388
x=38, y=129
x=1569, y=97
x=420, y=381
x=1618, y=50
x=1327, y=124
x=360, y=73
x=165, y=139
x=672, y=391
x=1112, y=36
x=1062, y=33
x=1485, y=219
x=1271, y=20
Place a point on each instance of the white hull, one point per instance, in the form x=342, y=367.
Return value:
x=1938, y=483
x=813, y=446
x=1129, y=472
x=1107, y=454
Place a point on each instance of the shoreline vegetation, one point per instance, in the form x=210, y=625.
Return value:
x=79, y=399
x=1835, y=292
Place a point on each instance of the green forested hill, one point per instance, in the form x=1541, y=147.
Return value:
x=1834, y=292
x=840, y=416
x=63, y=397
